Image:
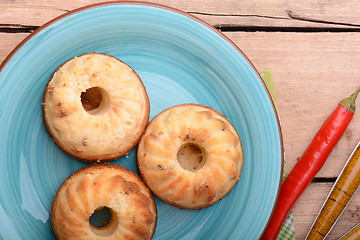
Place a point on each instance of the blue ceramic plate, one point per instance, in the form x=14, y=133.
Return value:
x=180, y=60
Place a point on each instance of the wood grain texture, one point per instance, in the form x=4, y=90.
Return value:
x=275, y=13
x=310, y=203
x=8, y=41
x=312, y=71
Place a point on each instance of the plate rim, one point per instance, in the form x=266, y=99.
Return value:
x=172, y=9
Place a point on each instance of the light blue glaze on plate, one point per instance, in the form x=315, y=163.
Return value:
x=180, y=60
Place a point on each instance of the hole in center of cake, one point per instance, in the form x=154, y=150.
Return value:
x=191, y=156
x=103, y=221
x=95, y=100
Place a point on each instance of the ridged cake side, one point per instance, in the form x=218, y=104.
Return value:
x=115, y=126
x=131, y=204
x=217, y=142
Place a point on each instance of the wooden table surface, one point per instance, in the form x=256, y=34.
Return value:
x=311, y=46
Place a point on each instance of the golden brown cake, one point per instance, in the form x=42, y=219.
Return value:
x=132, y=207
x=190, y=156
x=95, y=107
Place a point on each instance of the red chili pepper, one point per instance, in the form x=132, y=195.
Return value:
x=310, y=163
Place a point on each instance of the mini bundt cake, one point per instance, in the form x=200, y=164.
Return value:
x=95, y=107
x=132, y=207
x=190, y=156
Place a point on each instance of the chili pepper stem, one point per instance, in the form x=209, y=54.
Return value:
x=349, y=102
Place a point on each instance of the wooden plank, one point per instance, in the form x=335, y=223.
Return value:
x=312, y=72
x=275, y=13
x=8, y=41
x=310, y=203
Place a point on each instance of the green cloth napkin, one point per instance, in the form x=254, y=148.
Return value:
x=287, y=230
